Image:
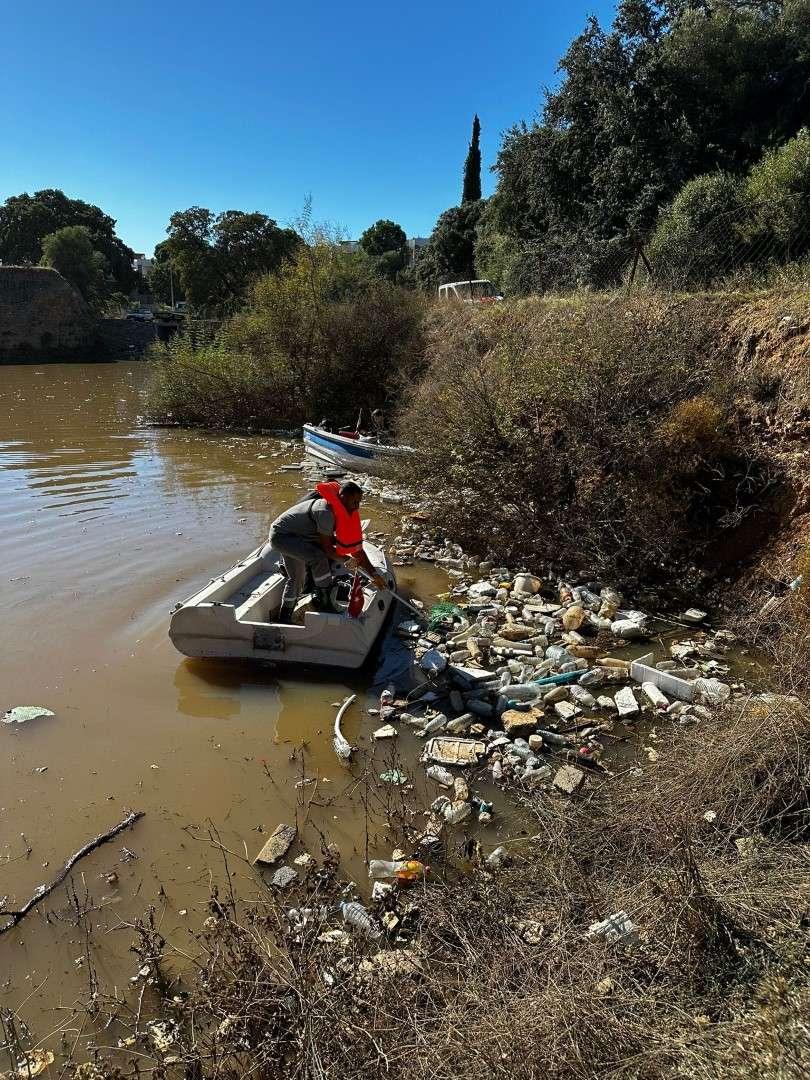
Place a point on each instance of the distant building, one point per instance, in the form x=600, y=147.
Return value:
x=414, y=245
x=141, y=265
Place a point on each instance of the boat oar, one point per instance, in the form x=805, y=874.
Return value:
x=420, y=614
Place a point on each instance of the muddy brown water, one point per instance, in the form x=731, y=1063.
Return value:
x=105, y=524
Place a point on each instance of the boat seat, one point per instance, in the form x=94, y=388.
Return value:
x=256, y=607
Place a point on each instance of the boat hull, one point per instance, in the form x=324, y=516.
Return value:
x=350, y=454
x=231, y=618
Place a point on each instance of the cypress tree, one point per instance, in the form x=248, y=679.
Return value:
x=472, y=166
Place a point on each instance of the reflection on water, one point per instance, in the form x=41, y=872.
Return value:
x=105, y=524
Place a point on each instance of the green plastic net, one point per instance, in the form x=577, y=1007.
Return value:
x=444, y=612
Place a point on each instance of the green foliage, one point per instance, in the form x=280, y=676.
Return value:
x=778, y=188
x=450, y=254
x=385, y=245
x=670, y=92
x=218, y=257
x=499, y=255
x=471, y=190
x=25, y=220
x=696, y=233
x=70, y=251
x=322, y=337
x=164, y=280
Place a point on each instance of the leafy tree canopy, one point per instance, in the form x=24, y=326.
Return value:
x=450, y=254
x=672, y=90
x=218, y=257
x=385, y=245
x=25, y=220
x=70, y=251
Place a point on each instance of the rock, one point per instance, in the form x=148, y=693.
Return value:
x=387, y=731
x=605, y=702
x=461, y=789
x=283, y=877
x=514, y=720
x=277, y=846
x=527, y=583
x=305, y=861
x=557, y=693
x=569, y=779
x=21, y=714
x=625, y=701
x=693, y=615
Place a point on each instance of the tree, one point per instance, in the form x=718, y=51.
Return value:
x=385, y=245
x=671, y=91
x=25, y=220
x=471, y=191
x=70, y=251
x=383, y=236
x=450, y=253
x=217, y=258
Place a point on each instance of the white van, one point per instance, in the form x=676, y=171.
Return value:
x=479, y=291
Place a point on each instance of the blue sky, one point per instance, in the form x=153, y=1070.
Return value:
x=255, y=105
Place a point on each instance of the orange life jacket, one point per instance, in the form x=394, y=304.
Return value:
x=348, y=527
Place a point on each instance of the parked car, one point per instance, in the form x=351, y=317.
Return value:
x=477, y=291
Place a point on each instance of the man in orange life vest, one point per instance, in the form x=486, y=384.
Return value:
x=323, y=526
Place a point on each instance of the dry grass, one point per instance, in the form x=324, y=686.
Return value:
x=504, y=980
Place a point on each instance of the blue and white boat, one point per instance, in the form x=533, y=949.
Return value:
x=351, y=451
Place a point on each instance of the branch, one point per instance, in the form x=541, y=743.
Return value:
x=45, y=890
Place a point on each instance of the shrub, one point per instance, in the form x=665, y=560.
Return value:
x=695, y=237
x=582, y=431
x=322, y=337
x=778, y=190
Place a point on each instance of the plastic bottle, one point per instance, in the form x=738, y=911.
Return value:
x=356, y=916
x=404, y=870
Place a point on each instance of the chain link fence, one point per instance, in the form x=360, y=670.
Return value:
x=752, y=244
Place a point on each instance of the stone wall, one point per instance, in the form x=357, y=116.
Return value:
x=42, y=317
x=124, y=339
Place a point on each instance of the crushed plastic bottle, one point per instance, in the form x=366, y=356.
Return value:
x=356, y=916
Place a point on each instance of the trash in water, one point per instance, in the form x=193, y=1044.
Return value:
x=356, y=916
x=433, y=662
x=343, y=748
x=449, y=751
x=32, y=1064
x=21, y=714
x=394, y=776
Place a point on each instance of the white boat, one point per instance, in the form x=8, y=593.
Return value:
x=232, y=617
x=356, y=453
